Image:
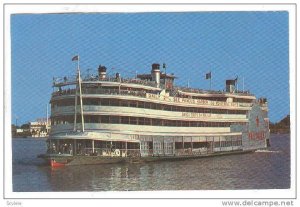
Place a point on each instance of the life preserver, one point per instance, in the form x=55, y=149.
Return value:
x=117, y=152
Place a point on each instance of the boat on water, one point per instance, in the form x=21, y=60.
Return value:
x=99, y=119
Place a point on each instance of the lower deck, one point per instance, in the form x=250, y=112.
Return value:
x=144, y=148
x=63, y=160
x=83, y=151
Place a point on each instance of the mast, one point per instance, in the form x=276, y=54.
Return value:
x=80, y=95
x=76, y=58
x=75, y=113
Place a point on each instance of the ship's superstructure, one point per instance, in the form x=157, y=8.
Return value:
x=102, y=119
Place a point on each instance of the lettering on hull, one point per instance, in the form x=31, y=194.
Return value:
x=256, y=135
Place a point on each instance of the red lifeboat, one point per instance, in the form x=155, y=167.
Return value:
x=56, y=164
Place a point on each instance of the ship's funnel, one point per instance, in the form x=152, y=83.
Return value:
x=155, y=74
x=102, y=72
x=118, y=76
x=230, y=86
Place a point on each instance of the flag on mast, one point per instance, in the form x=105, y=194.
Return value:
x=75, y=58
x=208, y=75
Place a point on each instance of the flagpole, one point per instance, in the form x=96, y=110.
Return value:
x=208, y=76
x=210, y=80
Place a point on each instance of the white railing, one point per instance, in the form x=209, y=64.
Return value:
x=106, y=152
x=201, y=91
x=101, y=91
x=58, y=81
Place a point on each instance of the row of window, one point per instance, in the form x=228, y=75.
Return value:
x=228, y=143
x=67, y=145
x=242, y=100
x=142, y=104
x=138, y=121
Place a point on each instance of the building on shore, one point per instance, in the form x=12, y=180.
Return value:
x=40, y=127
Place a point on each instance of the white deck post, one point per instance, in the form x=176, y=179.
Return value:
x=93, y=146
x=126, y=149
x=192, y=144
x=140, y=148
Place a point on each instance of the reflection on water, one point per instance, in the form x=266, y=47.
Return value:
x=266, y=169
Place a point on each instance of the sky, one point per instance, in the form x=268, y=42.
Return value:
x=250, y=45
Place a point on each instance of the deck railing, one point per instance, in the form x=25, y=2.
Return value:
x=106, y=152
x=101, y=91
x=117, y=92
x=201, y=91
x=70, y=80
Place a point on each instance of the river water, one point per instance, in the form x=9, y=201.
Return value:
x=268, y=169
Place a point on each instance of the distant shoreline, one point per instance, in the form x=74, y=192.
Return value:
x=280, y=132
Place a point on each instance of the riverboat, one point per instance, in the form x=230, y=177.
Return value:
x=99, y=119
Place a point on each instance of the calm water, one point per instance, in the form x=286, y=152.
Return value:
x=259, y=170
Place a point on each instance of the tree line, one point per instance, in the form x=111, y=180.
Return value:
x=281, y=127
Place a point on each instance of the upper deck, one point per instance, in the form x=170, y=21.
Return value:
x=148, y=85
x=156, y=86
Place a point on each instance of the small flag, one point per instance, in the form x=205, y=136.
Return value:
x=208, y=75
x=75, y=58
